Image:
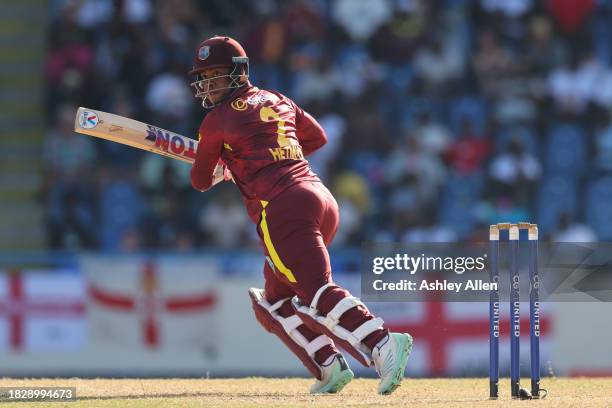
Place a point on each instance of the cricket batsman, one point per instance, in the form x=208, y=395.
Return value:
x=262, y=138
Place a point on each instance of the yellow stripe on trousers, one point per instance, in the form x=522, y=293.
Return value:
x=270, y=247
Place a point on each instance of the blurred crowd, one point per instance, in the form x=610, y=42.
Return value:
x=443, y=116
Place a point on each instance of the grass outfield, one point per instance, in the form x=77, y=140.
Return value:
x=264, y=392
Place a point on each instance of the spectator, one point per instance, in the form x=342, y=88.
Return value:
x=353, y=196
x=507, y=210
x=396, y=41
x=122, y=209
x=70, y=219
x=573, y=86
x=67, y=155
x=426, y=230
x=335, y=128
x=571, y=231
x=492, y=63
x=163, y=182
x=425, y=169
x=170, y=99
x=318, y=81
x=361, y=18
x=433, y=136
x=406, y=204
x=571, y=15
x=544, y=52
x=510, y=8
x=469, y=153
x=438, y=64
x=515, y=172
x=224, y=221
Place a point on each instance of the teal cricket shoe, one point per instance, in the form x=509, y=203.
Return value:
x=335, y=376
x=390, y=357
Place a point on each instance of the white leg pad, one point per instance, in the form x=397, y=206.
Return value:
x=317, y=344
x=330, y=323
x=286, y=329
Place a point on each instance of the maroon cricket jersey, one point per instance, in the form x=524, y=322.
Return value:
x=262, y=136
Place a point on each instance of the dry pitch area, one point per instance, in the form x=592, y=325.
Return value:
x=265, y=392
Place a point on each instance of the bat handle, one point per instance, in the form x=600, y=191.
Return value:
x=221, y=173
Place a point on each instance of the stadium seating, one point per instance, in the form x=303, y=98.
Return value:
x=566, y=151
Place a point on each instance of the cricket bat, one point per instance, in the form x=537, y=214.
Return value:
x=139, y=135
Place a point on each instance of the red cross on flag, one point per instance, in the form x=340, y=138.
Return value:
x=42, y=310
x=454, y=336
x=165, y=303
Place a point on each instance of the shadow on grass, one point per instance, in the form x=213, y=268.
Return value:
x=190, y=395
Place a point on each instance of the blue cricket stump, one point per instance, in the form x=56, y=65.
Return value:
x=515, y=314
x=534, y=311
x=494, y=313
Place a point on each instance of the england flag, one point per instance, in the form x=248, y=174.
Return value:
x=42, y=310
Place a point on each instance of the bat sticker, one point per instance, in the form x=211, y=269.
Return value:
x=88, y=120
